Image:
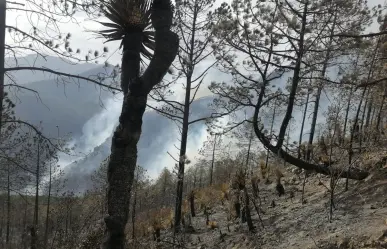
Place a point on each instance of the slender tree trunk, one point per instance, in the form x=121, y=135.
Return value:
x=247, y=211
x=319, y=90
x=8, y=207
x=346, y=114
x=48, y=209
x=332, y=178
x=192, y=203
x=271, y=133
x=302, y=125
x=369, y=111
x=213, y=160
x=287, y=143
x=350, y=150
x=184, y=134
x=313, y=125
x=2, y=56
x=363, y=127
x=303, y=187
x=201, y=178
x=34, y=230
x=182, y=156
x=248, y=153
x=380, y=110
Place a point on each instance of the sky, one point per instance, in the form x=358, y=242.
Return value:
x=100, y=126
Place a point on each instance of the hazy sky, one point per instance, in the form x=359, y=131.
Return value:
x=84, y=40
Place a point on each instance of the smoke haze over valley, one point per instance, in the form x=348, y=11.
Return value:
x=87, y=115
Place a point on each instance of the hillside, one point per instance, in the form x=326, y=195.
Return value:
x=359, y=218
x=87, y=115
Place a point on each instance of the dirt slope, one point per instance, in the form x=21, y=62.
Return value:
x=359, y=220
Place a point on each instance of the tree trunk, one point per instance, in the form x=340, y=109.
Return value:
x=380, y=110
x=8, y=207
x=192, y=203
x=368, y=118
x=247, y=211
x=182, y=156
x=33, y=237
x=213, y=160
x=302, y=125
x=319, y=90
x=248, y=154
x=346, y=114
x=123, y=158
x=48, y=209
x=350, y=151
x=363, y=127
x=34, y=230
x=270, y=134
x=2, y=56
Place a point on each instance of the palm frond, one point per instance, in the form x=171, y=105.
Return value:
x=127, y=17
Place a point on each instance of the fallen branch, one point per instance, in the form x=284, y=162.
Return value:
x=355, y=174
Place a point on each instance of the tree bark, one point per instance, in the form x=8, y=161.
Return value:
x=2, y=57
x=8, y=207
x=192, y=203
x=350, y=150
x=123, y=158
x=184, y=134
x=267, y=150
x=182, y=157
x=213, y=160
x=379, y=117
x=302, y=125
x=48, y=209
x=247, y=211
x=34, y=230
x=346, y=115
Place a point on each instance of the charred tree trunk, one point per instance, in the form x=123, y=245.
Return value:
x=123, y=158
x=271, y=131
x=2, y=56
x=369, y=111
x=192, y=203
x=362, y=125
x=34, y=229
x=8, y=207
x=248, y=154
x=313, y=125
x=346, y=114
x=156, y=234
x=33, y=237
x=355, y=123
x=213, y=160
x=247, y=211
x=302, y=125
x=48, y=209
x=320, y=88
x=183, y=149
x=378, y=119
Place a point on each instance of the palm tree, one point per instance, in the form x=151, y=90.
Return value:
x=144, y=30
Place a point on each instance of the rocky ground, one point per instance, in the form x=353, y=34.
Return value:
x=359, y=218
